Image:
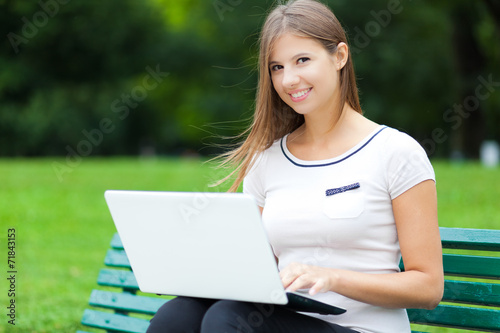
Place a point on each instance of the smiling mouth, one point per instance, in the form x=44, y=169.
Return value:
x=301, y=93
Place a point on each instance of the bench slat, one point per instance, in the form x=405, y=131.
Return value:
x=472, y=292
x=473, y=239
x=477, y=266
x=114, y=322
x=116, y=242
x=469, y=266
x=126, y=302
x=457, y=316
x=116, y=258
x=452, y=238
x=117, y=278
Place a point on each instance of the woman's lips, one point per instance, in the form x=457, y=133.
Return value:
x=299, y=95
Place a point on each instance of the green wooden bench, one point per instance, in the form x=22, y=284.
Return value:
x=471, y=298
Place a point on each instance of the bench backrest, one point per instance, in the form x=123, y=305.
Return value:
x=471, y=298
x=472, y=293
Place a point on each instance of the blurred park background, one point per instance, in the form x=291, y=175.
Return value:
x=98, y=95
x=167, y=77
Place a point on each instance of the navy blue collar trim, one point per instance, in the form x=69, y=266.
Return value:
x=330, y=163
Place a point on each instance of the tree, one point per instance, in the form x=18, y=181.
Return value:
x=64, y=65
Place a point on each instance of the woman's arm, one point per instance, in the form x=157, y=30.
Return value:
x=419, y=286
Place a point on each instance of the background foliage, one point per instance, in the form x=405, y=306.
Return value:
x=66, y=65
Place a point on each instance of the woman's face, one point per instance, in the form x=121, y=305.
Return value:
x=304, y=74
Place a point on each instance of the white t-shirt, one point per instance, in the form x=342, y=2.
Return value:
x=338, y=213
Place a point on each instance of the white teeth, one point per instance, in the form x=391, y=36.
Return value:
x=300, y=93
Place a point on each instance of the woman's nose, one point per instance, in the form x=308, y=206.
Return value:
x=290, y=78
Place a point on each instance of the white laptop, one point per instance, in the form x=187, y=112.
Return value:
x=199, y=244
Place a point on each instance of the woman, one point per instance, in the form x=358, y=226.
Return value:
x=342, y=198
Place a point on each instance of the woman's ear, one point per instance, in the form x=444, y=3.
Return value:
x=341, y=55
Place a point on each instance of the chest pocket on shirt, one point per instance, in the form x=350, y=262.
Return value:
x=344, y=200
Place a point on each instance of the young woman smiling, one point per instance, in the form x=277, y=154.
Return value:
x=342, y=198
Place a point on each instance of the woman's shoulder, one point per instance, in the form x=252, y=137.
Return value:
x=263, y=156
x=403, y=155
x=399, y=139
x=274, y=148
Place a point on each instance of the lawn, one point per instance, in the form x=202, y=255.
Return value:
x=63, y=227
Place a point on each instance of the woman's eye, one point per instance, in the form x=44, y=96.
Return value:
x=302, y=60
x=275, y=68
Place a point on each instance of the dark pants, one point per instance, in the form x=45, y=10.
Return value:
x=190, y=315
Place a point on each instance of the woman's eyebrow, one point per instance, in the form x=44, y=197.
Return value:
x=298, y=55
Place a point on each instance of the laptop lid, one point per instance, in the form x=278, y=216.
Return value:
x=209, y=245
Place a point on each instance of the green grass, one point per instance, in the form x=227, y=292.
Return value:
x=63, y=228
x=468, y=195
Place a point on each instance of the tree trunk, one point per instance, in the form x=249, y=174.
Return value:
x=470, y=62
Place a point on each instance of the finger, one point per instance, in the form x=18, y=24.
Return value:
x=288, y=279
x=292, y=267
x=301, y=282
x=290, y=273
x=318, y=287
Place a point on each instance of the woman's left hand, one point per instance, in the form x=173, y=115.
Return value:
x=300, y=276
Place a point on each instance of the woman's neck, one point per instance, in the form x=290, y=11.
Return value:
x=322, y=139
x=318, y=128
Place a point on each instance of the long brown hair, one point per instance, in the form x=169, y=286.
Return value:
x=273, y=118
